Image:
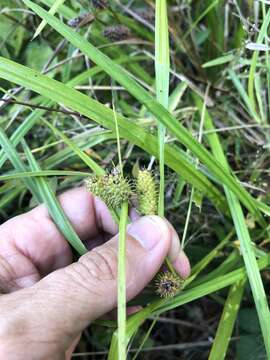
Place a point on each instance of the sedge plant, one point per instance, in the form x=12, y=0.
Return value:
x=57, y=131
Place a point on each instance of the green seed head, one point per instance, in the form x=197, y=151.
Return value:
x=146, y=193
x=168, y=284
x=112, y=188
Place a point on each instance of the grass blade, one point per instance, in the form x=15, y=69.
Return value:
x=81, y=103
x=17, y=163
x=219, y=61
x=247, y=249
x=54, y=207
x=209, y=286
x=64, y=10
x=244, y=95
x=181, y=133
x=52, y=11
x=121, y=311
x=81, y=154
x=20, y=175
x=227, y=321
x=202, y=15
x=21, y=131
x=162, y=67
x=208, y=258
x=185, y=297
x=252, y=71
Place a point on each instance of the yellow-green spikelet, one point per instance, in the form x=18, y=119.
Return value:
x=146, y=193
x=113, y=189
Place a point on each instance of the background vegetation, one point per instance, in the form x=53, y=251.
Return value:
x=60, y=96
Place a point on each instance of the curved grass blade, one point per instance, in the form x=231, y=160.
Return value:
x=209, y=286
x=219, y=61
x=83, y=143
x=208, y=258
x=81, y=154
x=92, y=109
x=200, y=17
x=64, y=10
x=162, y=68
x=44, y=173
x=98, y=170
x=241, y=229
x=240, y=88
x=18, y=164
x=254, y=61
x=180, y=132
x=185, y=297
x=54, y=207
x=52, y=11
x=32, y=118
x=227, y=321
x=21, y=131
x=9, y=196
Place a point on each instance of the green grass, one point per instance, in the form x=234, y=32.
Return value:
x=52, y=11
x=165, y=118
x=162, y=76
x=194, y=103
x=227, y=321
x=121, y=318
x=242, y=231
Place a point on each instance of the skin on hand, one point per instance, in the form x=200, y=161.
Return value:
x=44, y=309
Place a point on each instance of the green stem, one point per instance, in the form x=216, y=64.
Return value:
x=162, y=67
x=121, y=310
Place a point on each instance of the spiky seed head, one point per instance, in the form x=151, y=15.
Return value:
x=168, y=284
x=146, y=193
x=112, y=188
x=100, y=4
x=81, y=20
x=117, y=32
x=148, y=15
x=75, y=21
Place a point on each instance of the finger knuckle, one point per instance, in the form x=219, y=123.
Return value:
x=94, y=268
x=101, y=265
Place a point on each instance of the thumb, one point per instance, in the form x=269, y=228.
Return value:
x=66, y=301
x=87, y=289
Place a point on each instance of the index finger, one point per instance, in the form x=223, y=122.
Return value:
x=35, y=236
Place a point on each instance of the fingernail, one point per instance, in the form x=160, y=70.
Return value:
x=148, y=231
x=182, y=265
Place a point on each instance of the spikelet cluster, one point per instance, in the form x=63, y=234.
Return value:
x=112, y=188
x=100, y=4
x=117, y=32
x=146, y=193
x=148, y=15
x=168, y=284
x=80, y=20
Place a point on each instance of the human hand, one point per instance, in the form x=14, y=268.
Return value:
x=47, y=301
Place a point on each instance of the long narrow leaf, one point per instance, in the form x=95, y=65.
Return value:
x=185, y=297
x=122, y=282
x=77, y=101
x=20, y=175
x=162, y=67
x=121, y=76
x=52, y=11
x=85, y=158
x=227, y=321
x=54, y=207
x=17, y=162
x=252, y=71
x=247, y=249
